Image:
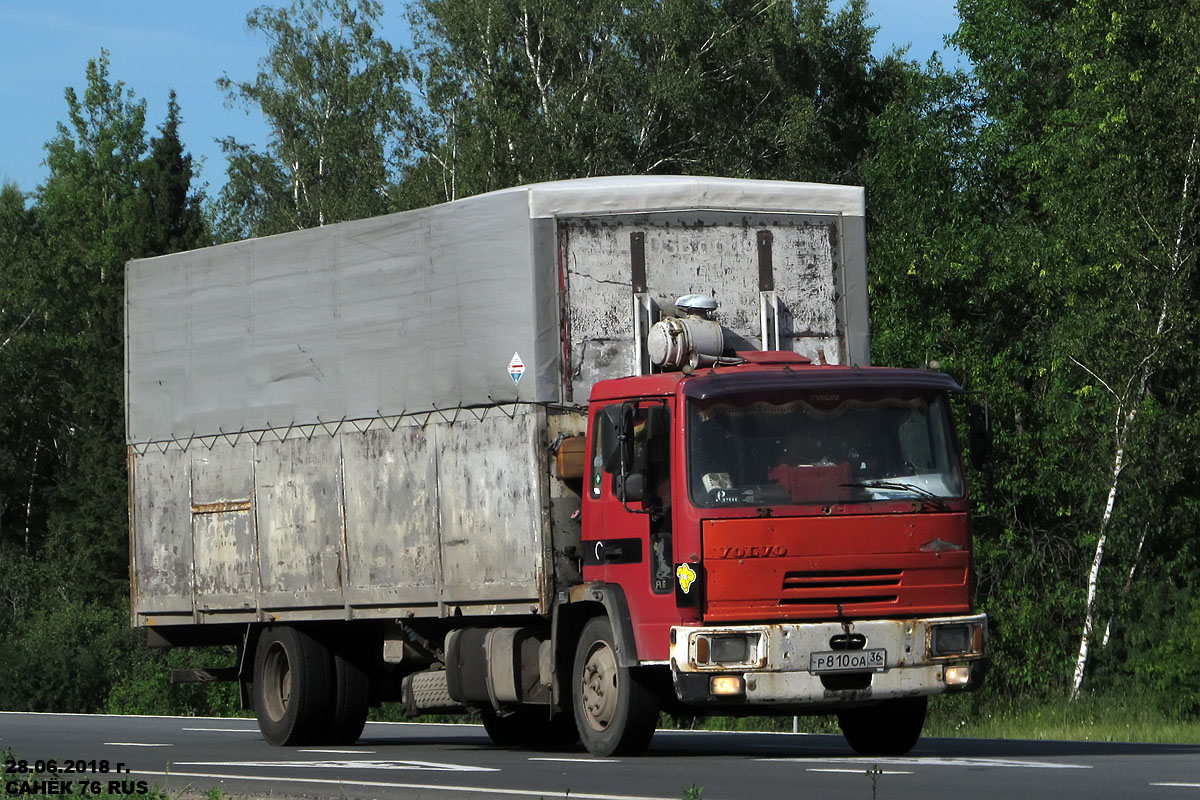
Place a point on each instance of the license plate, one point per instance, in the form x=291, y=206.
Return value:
x=848, y=660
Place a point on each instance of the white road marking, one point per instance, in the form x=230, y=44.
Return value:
x=425, y=766
x=688, y=732
x=137, y=744
x=128, y=716
x=861, y=771
x=346, y=752
x=1179, y=785
x=475, y=725
x=224, y=730
x=917, y=761
x=577, y=760
x=482, y=790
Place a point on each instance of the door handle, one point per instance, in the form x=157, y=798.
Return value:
x=613, y=552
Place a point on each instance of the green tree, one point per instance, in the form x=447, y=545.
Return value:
x=332, y=93
x=92, y=212
x=1041, y=210
x=62, y=464
x=954, y=279
x=24, y=436
x=63, y=518
x=1123, y=164
x=175, y=220
x=516, y=91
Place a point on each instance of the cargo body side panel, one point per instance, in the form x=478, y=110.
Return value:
x=298, y=511
x=222, y=534
x=391, y=517
x=493, y=540
x=429, y=518
x=161, y=550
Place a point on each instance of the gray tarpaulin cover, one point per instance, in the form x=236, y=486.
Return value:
x=403, y=313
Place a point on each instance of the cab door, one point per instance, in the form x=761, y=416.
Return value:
x=626, y=530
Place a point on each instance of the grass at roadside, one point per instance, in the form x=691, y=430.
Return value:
x=1091, y=718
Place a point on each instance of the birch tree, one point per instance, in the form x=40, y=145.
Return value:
x=332, y=92
x=517, y=91
x=1060, y=257
x=1133, y=134
x=20, y=481
x=1040, y=212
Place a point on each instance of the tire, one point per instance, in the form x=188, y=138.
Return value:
x=615, y=712
x=351, y=701
x=531, y=727
x=891, y=728
x=293, y=686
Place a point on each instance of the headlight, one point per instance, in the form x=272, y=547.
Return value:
x=954, y=640
x=726, y=649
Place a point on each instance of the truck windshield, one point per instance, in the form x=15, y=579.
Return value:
x=829, y=447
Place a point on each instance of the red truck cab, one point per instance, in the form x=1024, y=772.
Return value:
x=787, y=538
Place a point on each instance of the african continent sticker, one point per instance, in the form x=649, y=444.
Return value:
x=686, y=576
x=516, y=368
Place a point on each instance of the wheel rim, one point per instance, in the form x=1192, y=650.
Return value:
x=598, y=687
x=277, y=675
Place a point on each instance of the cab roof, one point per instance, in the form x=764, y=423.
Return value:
x=766, y=374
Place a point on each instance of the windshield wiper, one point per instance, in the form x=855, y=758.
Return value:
x=899, y=486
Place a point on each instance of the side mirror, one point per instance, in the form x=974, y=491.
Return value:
x=616, y=438
x=635, y=488
x=981, y=436
x=610, y=445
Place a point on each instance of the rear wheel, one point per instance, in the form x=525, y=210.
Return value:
x=891, y=728
x=351, y=701
x=293, y=675
x=531, y=727
x=615, y=712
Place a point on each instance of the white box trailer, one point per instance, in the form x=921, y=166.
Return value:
x=357, y=421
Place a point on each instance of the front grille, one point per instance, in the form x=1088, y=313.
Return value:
x=840, y=587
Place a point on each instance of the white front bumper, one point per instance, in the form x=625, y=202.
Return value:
x=778, y=672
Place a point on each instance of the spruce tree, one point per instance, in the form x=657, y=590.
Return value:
x=174, y=218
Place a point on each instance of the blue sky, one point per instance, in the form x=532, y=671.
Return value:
x=157, y=45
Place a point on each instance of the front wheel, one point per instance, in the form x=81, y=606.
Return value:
x=614, y=710
x=891, y=728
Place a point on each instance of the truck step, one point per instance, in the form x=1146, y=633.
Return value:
x=428, y=693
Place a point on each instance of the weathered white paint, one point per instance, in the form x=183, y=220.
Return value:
x=439, y=512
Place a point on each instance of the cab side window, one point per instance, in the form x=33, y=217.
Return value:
x=647, y=449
